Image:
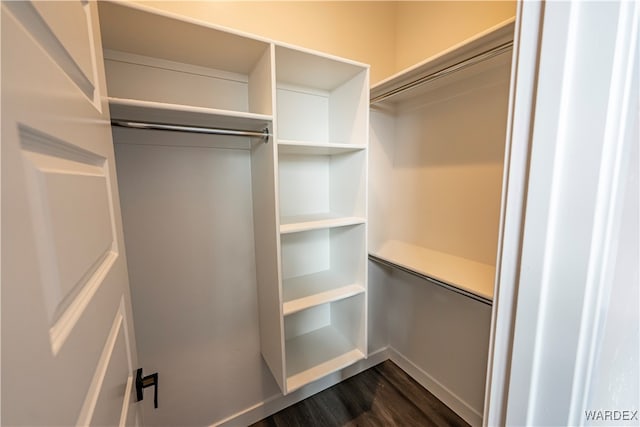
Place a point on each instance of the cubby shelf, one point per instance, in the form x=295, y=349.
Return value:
x=300, y=293
x=316, y=148
x=316, y=354
x=186, y=115
x=294, y=224
x=321, y=132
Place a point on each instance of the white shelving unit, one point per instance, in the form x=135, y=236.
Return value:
x=185, y=74
x=308, y=183
x=321, y=129
x=438, y=150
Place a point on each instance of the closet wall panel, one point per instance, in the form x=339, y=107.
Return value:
x=188, y=221
x=448, y=156
x=442, y=339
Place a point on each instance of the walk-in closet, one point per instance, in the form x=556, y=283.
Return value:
x=319, y=213
x=277, y=225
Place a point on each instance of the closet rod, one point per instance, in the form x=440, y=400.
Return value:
x=264, y=134
x=483, y=56
x=431, y=279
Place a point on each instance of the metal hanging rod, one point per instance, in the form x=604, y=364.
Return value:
x=488, y=54
x=431, y=279
x=264, y=134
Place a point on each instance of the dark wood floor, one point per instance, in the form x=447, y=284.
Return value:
x=381, y=396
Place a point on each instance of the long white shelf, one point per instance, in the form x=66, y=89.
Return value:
x=316, y=354
x=297, y=223
x=316, y=148
x=300, y=293
x=471, y=276
x=187, y=115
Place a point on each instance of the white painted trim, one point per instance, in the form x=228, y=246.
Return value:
x=514, y=190
x=278, y=402
x=126, y=402
x=449, y=398
x=89, y=405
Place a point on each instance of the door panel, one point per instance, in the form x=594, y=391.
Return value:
x=71, y=214
x=70, y=21
x=68, y=350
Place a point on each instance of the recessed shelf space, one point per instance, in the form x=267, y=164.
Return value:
x=438, y=152
x=322, y=114
x=337, y=250
x=184, y=64
x=324, y=339
x=322, y=187
x=320, y=99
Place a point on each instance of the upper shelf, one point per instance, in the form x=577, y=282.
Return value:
x=471, y=276
x=497, y=39
x=160, y=112
x=141, y=30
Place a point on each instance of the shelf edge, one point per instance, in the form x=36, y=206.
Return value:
x=331, y=295
x=433, y=280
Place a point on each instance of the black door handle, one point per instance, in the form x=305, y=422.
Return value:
x=144, y=382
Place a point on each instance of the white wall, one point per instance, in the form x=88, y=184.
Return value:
x=188, y=229
x=442, y=338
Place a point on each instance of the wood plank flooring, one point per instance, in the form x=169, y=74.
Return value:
x=383, y=396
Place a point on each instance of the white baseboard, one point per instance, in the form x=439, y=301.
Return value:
x=278, y=402
x=459, y=406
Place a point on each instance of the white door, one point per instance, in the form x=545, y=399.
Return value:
x=68, y=350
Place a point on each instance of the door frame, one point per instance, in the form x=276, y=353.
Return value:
x=570, y=132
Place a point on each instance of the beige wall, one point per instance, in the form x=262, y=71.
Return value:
x=362, y=31
x=388, y=35
x=425, y=28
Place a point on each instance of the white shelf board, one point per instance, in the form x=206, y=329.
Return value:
x=176, y=114
x=144, y=30
x=475, y=45
x=471, y=276
x=296, y=66
x=316, y=148
x=300, y=293
x=295, y=224
x=313, y=355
